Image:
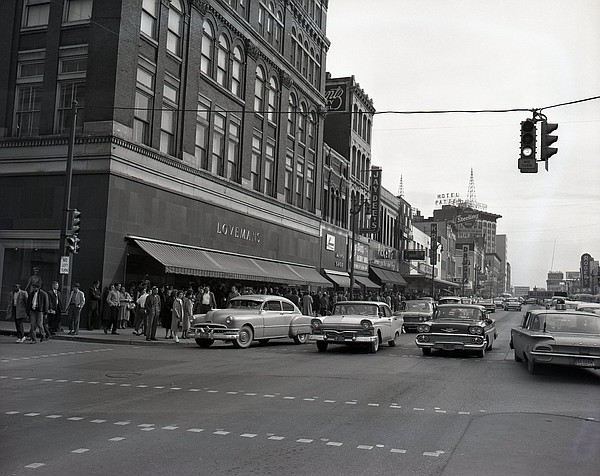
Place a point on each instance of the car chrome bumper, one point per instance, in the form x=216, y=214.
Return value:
x=443, y=343
x=574, y=360
x=341, y=339
x=213, y=333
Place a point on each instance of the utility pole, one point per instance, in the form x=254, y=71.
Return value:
x=64, y=230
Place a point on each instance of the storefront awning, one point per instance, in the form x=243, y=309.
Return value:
x=417, y=278
x=340, y=278
x=367, y=282
x=389, y=276
x=193, y=261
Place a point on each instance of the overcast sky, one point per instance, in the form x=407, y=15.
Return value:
x=425, y=55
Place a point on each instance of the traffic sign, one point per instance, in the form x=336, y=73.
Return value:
x=64, y=265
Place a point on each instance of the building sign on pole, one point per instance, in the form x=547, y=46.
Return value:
x=375, y=224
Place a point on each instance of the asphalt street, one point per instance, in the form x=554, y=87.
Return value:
x=112, y=404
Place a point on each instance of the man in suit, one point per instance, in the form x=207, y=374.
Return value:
x=94, y=298
x=37, y=307
x=17, y=308
x=152, y=306
x=54, y=309
x=74, y=306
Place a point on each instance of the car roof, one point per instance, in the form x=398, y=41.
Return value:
x=354, y=303
x=459, y=305
x=260, y=297
x=536, y=312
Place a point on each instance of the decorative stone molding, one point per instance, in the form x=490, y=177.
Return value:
x=285, y=79
x=251, y=49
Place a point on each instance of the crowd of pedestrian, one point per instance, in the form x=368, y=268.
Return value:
x=145, y=307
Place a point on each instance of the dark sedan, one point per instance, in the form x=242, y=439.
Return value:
x=457, y=327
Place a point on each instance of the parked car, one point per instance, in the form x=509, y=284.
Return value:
x=488, y=304
x=589, y=307
x=251, y=317
x=512, y=304
x=457, y=327
x=369, y=323
x=414, y=312
x=555, y=337
x=450, y=300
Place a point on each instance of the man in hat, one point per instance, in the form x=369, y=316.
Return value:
x=74, y=306
x=37, y=307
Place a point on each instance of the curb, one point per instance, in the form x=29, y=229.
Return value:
x=101, y=340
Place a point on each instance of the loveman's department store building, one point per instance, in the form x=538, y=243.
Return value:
x=199, y=139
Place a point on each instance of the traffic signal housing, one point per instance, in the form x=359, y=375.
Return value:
x=546, y=140
x=75, y=221
x=72, y=244
x=527, y=162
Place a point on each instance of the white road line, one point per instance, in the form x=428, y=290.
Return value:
x=35, y=465
x=196, y=430
x=169, y=427
x=81, y=450
x=116, y=438
x=334, y=443
x=97, y=421
x=364, y=447
x=396, y=450
x=220, y=432
x=248, y=435
x=277, y=438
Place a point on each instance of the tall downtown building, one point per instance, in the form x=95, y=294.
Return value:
x=198, y=149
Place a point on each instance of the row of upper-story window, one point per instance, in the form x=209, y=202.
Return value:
x=361, y=123
x=361, y=165
x=37, y=12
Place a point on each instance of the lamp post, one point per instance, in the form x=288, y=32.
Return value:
x=357, y=206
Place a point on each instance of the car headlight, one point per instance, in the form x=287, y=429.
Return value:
x=315, y=323
x=228, y=320
x=366, y=324
x=476, y=330
x=423, y=328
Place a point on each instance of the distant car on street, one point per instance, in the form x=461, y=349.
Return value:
x=557, y=337
x=589, y=307
x=512, y=304
x=449, y=300
x=499, y=303
x=251, y=317
x=370, y=323
x=488, y=304
x=414, y=312
x=457, y=327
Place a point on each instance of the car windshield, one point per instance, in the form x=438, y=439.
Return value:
x=417, y=306
x=567, y=323
x=244, y=304
x=356, y=308
x=466, y=313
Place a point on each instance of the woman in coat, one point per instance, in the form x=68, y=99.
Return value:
x=177, y=314
x=166, y=313
x=188, y=305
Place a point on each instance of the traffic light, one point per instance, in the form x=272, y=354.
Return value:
x=72, y=244
x=527, y=163
x=75, y=221
x=547, y=140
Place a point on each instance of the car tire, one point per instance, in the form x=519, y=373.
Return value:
x=245, y=338
x=322, y=345
x=490, y=343
x=374, y=346
x=426, y=351
x=392, y=343
x=301, y=339
x=481, y=352
x=517, y=358
x=532, y=367
x=205, y=343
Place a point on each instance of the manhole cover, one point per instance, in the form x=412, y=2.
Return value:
x=123, y=374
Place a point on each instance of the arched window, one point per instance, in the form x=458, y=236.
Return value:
x=222, y=60
x=259, y=91
x=317, y=72
x=175, y=33
x=207, y=48
x=236, y=72
x=272, y=106
x=292, y=115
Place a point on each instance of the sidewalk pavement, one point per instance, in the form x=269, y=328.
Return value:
x=125, y=336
